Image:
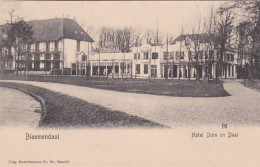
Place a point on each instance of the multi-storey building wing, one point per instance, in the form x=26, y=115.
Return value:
x=171, y=60
x=61, y=45
x=57, y=43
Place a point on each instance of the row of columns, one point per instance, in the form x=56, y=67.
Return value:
x=184, y=68
x=43, y=64
x=180, y=69
x=126, y=70
x=229, y=71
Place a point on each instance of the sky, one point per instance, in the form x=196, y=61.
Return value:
x=171, y=15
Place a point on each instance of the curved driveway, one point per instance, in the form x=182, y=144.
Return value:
x=241, y=108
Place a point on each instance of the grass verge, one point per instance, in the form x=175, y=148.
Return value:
x=179, y=88
x=65, y=111
x=252, y=85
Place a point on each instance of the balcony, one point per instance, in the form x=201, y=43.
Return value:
x=37, y=57
x=47, y=56
x=55, y=50
x=35, y=51
x=56, y=56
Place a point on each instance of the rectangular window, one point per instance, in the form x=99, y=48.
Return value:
x=136, y=55
x=42, y=47
x=32, y=48
x=179, y=55
x=37, y=57
x=73, y=66
x=52, y=46
x=37, y=47
x=200, y=55
x=145, y=68
x=83, y=57
x=56, y=45
x=47, y=46
x=182, y=55
x=48, y=56
x=228, y=57
x=153, y=70
x=164, y=55
x=78, y=46
x=211, y=52
x=28, y=47
x=56, y=65
x=206, y=55
x=146, y=55
x=232, y=57
x=225, y=58
x=153, y=66
x=57, y=56
x=155, y=55
x=24, y=48
x=137, y=68
x=171, y=54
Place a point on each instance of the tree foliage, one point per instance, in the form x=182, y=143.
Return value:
x=247, y=16
x=19, y=34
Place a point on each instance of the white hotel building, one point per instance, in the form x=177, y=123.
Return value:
x=61, y=46
x=57, y=44
x=147, y=60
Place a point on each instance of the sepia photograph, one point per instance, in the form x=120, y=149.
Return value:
x=161, y=80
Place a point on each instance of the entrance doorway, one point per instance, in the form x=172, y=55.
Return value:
x=154, y=71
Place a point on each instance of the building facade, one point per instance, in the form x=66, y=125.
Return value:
x=57, y=43
x=162, y=62
x=61, y=46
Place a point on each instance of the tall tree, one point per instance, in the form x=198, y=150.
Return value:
x=194, y=44
x=224, y=27
x=211, y=33
x=120, y=39
x=248, y=30
x=19, y=36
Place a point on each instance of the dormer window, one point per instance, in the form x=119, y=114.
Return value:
x=76, y=32
x=81, y=32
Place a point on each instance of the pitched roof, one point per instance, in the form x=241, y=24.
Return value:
x=202, y=37
x=47, y=30
x=54, y=29
x=70, y=29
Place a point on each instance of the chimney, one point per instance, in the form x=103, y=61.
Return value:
x=74, y=18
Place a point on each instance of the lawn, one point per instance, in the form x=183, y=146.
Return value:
x=179, y=88
x=64, y=111
x=253, y=85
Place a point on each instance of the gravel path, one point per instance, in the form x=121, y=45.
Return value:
x=241, y=108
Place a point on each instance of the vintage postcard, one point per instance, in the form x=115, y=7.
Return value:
x=129, y=83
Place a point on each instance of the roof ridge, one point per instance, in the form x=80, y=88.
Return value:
x=57, y=28
x=58, y=18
